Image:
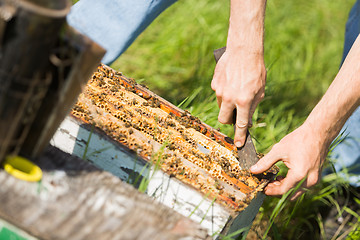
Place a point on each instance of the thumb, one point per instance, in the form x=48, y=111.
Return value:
x=265, y=163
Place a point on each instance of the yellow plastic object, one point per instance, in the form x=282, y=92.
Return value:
x=22, y=168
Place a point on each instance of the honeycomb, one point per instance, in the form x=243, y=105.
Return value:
x=179, y=143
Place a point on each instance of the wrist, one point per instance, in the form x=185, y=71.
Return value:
x=245, y=51
x=321, y=128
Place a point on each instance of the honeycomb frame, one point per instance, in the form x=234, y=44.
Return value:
x=154, y=129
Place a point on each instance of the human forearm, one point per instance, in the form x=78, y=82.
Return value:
x=239, y=77
x=246, y=26
x=340, y=100
x=304, y=150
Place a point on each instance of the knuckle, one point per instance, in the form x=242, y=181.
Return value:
x=213, y=85
x=218, y=93
x=242, y=123
x=226, y=99
x=313, y=180
x=311, y=183
x=243, y=100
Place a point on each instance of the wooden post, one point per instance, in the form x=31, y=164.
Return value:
x=28, y=37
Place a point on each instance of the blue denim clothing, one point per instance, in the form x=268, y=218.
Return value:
x=347, y=153
x=114, y=24
x=352, y=29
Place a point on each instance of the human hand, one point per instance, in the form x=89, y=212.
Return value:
x=303, y=152
x=239, y=83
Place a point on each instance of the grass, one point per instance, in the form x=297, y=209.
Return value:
x=155, y=163
x=303, y=49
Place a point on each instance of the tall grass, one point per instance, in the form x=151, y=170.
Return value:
x=303, y=49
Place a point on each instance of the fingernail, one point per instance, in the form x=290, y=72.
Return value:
x=276, y=183
x=238, y=144
x=253, y=168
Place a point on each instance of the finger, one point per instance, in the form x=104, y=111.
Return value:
x=213, y=84
x=283, y=186
x=241, y=126
x=226, y=112
x=217, y=76
x=297, y=194
x=279, y=188
x=272, y=185
x=312, y=179
x=300, y=191
x=216, y=85
x=266, y=162
x=275, y=182
x=218, y=92
x=240, y=132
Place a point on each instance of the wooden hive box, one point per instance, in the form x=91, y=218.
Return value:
x=124, y=128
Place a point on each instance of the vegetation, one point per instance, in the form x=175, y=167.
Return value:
x=303, y=48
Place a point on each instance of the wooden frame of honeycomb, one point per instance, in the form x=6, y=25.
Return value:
x=193, y=152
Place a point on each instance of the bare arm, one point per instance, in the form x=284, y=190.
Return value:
x=239, y=77
x=305, y=149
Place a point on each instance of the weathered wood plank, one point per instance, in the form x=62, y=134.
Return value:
x=76, y=200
